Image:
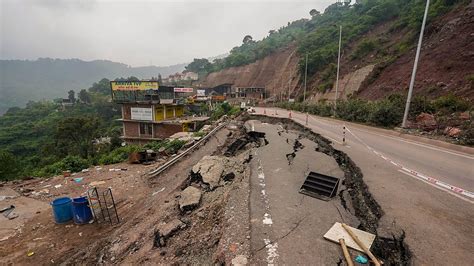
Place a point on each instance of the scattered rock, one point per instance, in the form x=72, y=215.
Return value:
x=464, y=116
x=96, y=183
x=239, y=260
x=168, y=229
x=452, y=132
x=426, y=121
x=190, y=198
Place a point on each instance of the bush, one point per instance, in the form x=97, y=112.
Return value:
x=450, y=104
x=388, y=112
x=72, y=163
x=118, y=155
x=365, y=47
x=356, y=110
x=170, y=146
x=420, y=104
x=467, y=134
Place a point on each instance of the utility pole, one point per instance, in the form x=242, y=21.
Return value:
x=415, y=66
x=305, y=76
x=289, y=84
x=338, y=63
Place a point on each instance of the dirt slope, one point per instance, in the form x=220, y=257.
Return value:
x=275, y=72
x=447, y=59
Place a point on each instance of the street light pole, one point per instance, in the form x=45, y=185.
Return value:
x=305, y=76
x=415, y=66
x=338, y=64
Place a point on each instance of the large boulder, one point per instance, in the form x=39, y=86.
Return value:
x=190, y=199
x=453, y=132
x=426, y=121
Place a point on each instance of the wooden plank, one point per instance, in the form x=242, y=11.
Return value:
x=337, y=232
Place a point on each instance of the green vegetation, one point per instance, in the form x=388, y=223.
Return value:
x=45, y=138
x=46, y=78
x=170, y=146
x=224, y=109
x=318, y=37
x=387, y=112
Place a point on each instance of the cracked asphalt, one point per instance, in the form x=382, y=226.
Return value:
x=288, y=227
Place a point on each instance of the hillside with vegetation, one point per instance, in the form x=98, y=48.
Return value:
x=377, y=32
x=23, y=80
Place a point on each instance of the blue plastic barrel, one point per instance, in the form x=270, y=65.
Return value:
x=62, y=210
x=82, y=213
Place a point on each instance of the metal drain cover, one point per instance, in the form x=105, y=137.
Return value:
x=320, y=186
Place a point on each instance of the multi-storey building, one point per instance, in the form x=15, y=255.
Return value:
x=152, y=112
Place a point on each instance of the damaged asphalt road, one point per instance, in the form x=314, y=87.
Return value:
x=278, y=200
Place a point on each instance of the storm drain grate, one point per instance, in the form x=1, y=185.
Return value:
x=320, y=186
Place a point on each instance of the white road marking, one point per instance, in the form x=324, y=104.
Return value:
x=438, y=187
x=272, y=253
x=267, y=219
x=272, y=248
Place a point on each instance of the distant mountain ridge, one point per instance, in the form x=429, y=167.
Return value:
x=47, y=78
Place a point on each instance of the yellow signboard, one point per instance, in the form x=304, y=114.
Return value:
x=134, y=85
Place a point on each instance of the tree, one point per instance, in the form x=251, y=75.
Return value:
x=247, y=39
x=102, y=87
x=71, y=96
x=9, y=166
x=74, y=135
x=201, y=66
x=84, y=96
x=314, y=13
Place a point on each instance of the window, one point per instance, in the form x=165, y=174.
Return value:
x=146, y=129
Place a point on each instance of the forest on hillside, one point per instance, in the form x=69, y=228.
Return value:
x=46, y=78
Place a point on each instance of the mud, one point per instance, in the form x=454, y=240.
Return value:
x=390, y=250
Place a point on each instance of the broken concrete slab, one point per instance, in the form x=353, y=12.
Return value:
x=211, y=169
x=168, y=229
x=190, y=198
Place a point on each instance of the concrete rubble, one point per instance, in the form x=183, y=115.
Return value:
x=168, y=229
x=215, y=169
x=190, y=198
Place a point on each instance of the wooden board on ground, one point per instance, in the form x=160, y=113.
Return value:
x=337, y=232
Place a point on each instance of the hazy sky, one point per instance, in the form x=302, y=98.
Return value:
x=139, y=32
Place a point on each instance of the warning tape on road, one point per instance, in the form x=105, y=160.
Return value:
x=412, y=172
x=417, y=174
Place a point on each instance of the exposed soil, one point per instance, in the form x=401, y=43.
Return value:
x=445, y=61
x=208, y=236
x=362, y=204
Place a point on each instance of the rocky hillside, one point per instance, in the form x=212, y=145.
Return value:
x=376, y=64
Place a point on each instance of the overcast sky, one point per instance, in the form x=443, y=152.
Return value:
x=139, y=32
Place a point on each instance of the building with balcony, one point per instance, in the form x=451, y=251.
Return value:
x=151, y=112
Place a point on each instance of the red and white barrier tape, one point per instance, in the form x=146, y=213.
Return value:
x=416, y=174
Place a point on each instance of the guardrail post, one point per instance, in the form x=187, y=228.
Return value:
x=344, y=135
x=306, y=118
